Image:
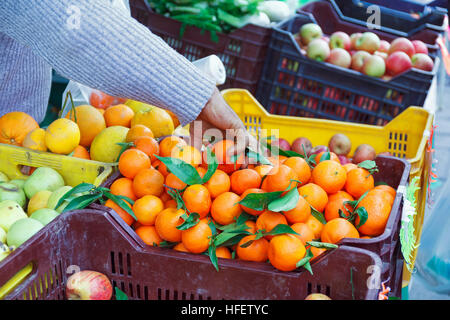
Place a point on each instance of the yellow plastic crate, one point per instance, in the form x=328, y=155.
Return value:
x=406, y=136
x=73, y=170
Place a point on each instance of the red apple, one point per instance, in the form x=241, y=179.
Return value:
x=364, y=152
x=384, y=55
x=420, y=46
x=353, y=38
x=344, y=160
x=340, y=144
x=88, y=285
x=309, y=32
x=300, y=143
x=340, y=57
x=358, y=60
x=402, y=44
x=318, y=49
x=369, y=42
x=341, y=40
x=326, y=39
x=422, y=61
x=282, y=144
x=374, y=66
x=384, y=46
x=318, y=149
x=398, y=62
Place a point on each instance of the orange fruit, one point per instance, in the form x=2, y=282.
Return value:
x=166, y=224
x=387, y=188
x=337, y=229
x=165, y=197
x=219, y=183
x=173, y=182
x=359, y=181
x=122, y=213
x=225, y=208
x=300, y=213
x=223, y=252
x=340, y=194
x=332, y=208
x=305, y=233
x=244, y=179
x=329, y=175
x=256, y=251
x=170, y=204
x=285, y=251
x=378, y=211
x=300, y=167
x=149, y=235
x=196, y=239
x=180, y=247
x=333, y=157
x=90, y=121
x=161, y=167
x=168, y=143
x=268, y=220
x=349, y=166
x=175, y=120
x=147, y=208
x=280, y=178
x=226, y=164
x=251, y=226
x=249, y=210
x=149, y=146
x=100, y=99
x=315, y=225
x=315, y=195
x=197, y=199
x=81, y=152
x=263, y=169
x=201, y=171
x=188, y=154
x=317, y=252
x=118, y=115
x=132, y=161
x=137, y=131
x=384, y=194
x=148, y=182
x=123, y=187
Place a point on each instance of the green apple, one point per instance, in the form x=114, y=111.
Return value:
x=18, y=182
x=309, y=32
x=10, y=212
x=45, y=215
x=43, y=178
x=55, y=196
x=2, y=236
x=3, y=177
x=22, y=230
x=9, y=191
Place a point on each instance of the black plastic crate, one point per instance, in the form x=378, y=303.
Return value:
x=292, y=84
x=242, y=51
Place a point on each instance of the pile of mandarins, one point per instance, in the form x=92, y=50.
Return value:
x=284, y=212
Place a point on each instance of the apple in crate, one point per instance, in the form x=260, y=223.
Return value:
x=420, y=46
x=358, y=60
x=374, y=66
x=340, y=144
x=340, y=57
x=318, y=49
x=422, y=61
x=369, y=42
x=398, y=62
x=309, y=32
x=88, y=285
x=404, y=45
x=364, y=152
x=384, y=46
x=341, y=40
x=353, y=38
x=300, y=144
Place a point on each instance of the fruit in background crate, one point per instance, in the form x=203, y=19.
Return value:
x=317, y=296
x=118, y=115
x=104, y=147
x=35, y=140
x=397, y=63
x=44, y=215
x=344, y=160
x=88, y=285
x=55, y=196
x=138, y=131
x=340, y=144
x=374, y=66
x=62, y=136
x=318, y=50
x=43, y=178
x=383, y=55
x=9, y=191
x=364, y=152
x=18, y=182
x=90, y=121
x=340, y=57
x=318, y=149
x=22, y=230
x=403, y=45
x=281, y=143
x=358, y=60
x=81, y=152
x=10, y=212
x=302, y=145
x=341, y=40
x=310, y=32
x=38, y=201
x=3, y=177
x=353, y=39
x=14, y=127
x=275, y=10
x=157, y=119
x=384, y=46
x=422, y=61
x=420, y=46
x=368, y=41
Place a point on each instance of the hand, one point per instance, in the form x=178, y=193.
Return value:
x=217, y=114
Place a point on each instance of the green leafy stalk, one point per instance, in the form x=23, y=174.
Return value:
x=305, y=261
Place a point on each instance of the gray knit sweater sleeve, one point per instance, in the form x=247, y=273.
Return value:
x=106, y=50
